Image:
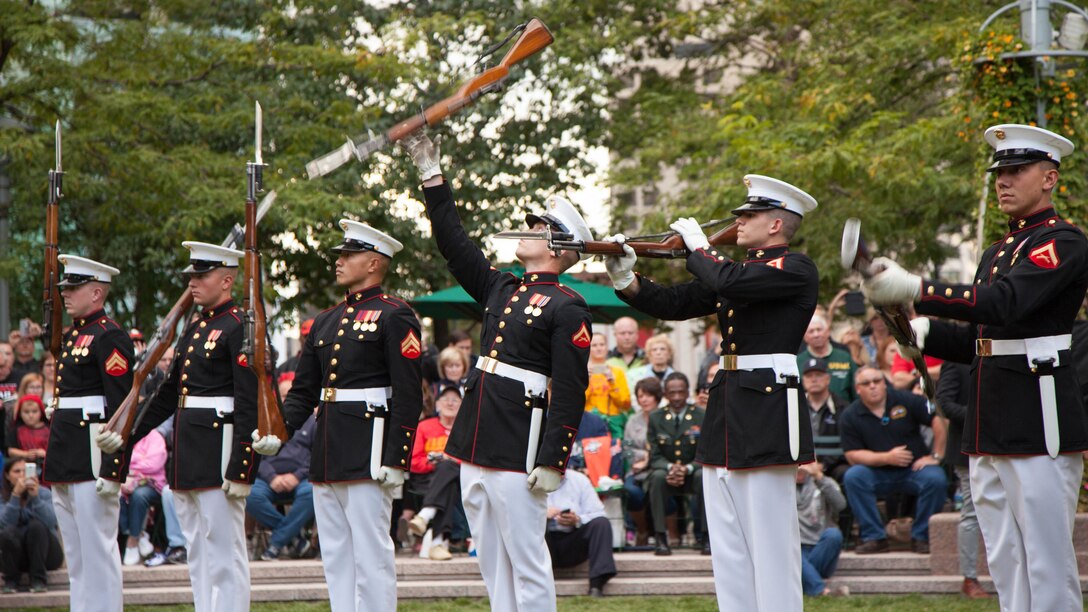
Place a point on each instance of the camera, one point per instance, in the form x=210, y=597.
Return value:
x=31, y=470
x=854, y=304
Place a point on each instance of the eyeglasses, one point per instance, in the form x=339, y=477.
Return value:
x=870, y=383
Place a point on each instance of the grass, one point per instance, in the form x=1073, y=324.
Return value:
x=884, y=603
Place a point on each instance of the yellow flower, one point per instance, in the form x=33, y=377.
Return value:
x=1070, y=73
x=996, y=114
x=1071, y=95
x=967, y=119
x=1008, y=103
x=1061, y=189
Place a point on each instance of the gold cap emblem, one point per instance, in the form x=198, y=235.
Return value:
x=748, y=183
x=999, y=134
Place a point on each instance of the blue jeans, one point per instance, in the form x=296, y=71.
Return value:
x=261, y=505
x=175, y=537
x=635, y=495
x=134, y=510
x=864, y=484
x=820, y=560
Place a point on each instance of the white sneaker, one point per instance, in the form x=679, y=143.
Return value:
x=132, y=556
x=145, y=546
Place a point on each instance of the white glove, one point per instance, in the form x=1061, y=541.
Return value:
x=620, y=268
x=544, y=480
x=109, y=441
x=107, y=488
x=424, y=153
x=236, y=490
x=267, y=445
x=49, y=412
x=390, y=478
x=920, y=326
x=693, y=235
x=891, y=284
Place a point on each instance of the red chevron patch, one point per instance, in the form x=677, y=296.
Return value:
x=116, y=364
x=410, y=347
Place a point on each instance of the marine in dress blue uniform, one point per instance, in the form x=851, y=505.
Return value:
x=94, y=375
x=525, y=397
x=1025, y=426
x=360, y=367
x=755, y=430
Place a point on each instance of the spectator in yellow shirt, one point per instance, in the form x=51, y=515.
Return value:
x=607, y=393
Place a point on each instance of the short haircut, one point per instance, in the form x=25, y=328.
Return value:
x=662, y=339
x=791, y=222
x=678, y=376
x=458, y=335
x=449, y=355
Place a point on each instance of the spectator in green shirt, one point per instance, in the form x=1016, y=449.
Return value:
x=839, y=364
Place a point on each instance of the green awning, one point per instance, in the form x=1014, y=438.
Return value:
x=455, y=303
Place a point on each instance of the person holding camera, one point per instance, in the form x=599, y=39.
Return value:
x=608, y=393
x=436, y=476
x=28, y=528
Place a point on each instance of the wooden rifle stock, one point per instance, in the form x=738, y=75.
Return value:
x=269, y=415
x=534, y=38
x=52, y=304
x=124, y=418
x=671, y=247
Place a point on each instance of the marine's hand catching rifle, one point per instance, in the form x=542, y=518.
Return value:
x=620, y=269
x=236, y=490
x=266, y=445
x=390, y=478
x=425, y=154
x=891, y=284
x=109, y=441
x=693, y=235
x=544, y=480
x=920, y=326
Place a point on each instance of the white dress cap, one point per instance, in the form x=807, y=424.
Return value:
x=563, y=217
x=766, y=193
x=204, y=257
x=80, y=270
x=1016, y=145
x=360, y=237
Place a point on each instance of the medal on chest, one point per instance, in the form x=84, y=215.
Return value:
x=366, y=320
x=82, y=346
x=536, y=303
x=213, y=338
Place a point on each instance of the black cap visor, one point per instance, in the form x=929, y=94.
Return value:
x=75, y=280
x=1019, y=157
x=350, y=245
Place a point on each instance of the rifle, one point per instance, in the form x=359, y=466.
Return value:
x=127, y=414
x=855, y=256
x=255, y=347
x=534, y=38
x=669, y=246
x=52, y=311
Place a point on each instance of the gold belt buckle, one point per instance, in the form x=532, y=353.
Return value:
x=984, y=347
x=490, y=365
x=729, y=362
x=328, y=394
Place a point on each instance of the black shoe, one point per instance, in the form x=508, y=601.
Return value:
x=38, y=587
x=920, y=547
x=706, y=548
x=300, y=548
x=177, y=556
x=661, y=549
x=872, y=547
x=595, y=592
x=272, y=553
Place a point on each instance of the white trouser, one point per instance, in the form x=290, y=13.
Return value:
x=215, y=534
x=754, y=539
x=508, y=523
x=356, y=549
x=1026, y=507
x=88, y=526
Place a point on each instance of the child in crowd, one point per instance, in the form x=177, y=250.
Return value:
x=29, y=435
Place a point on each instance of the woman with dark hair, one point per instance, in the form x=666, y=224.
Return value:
x=648, y=394
x=28, y=529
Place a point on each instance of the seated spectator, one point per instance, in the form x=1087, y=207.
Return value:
x=158, y=375
x=175, y=553
x=824, y=410
x=885, y=359
x=142, y=488
x=285, y=382
x=702, y=390
x=23, y=347
x=437, y=476
x=851, y=339
x=839, y=364
x=32, y=384
x=49, y=376
x=453, y=368
x=28, y=437
x=9, y=376
x=627, y=354
x=607, y=393
x=28, y=530
x=658, y=365
x=673, y=434
x=292, y=362
x=285, y=479
x=578, y=530
x=904, y=373
x=819, y=499
x=874, y=334
x=882, y=439
x=648, y=396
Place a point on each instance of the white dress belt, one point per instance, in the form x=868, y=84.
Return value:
x=89, y=404
x=536, y=384
x=222, y=404
x=375, y=397
x=784, y=366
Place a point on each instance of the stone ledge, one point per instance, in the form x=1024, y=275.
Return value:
x=944, y=545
